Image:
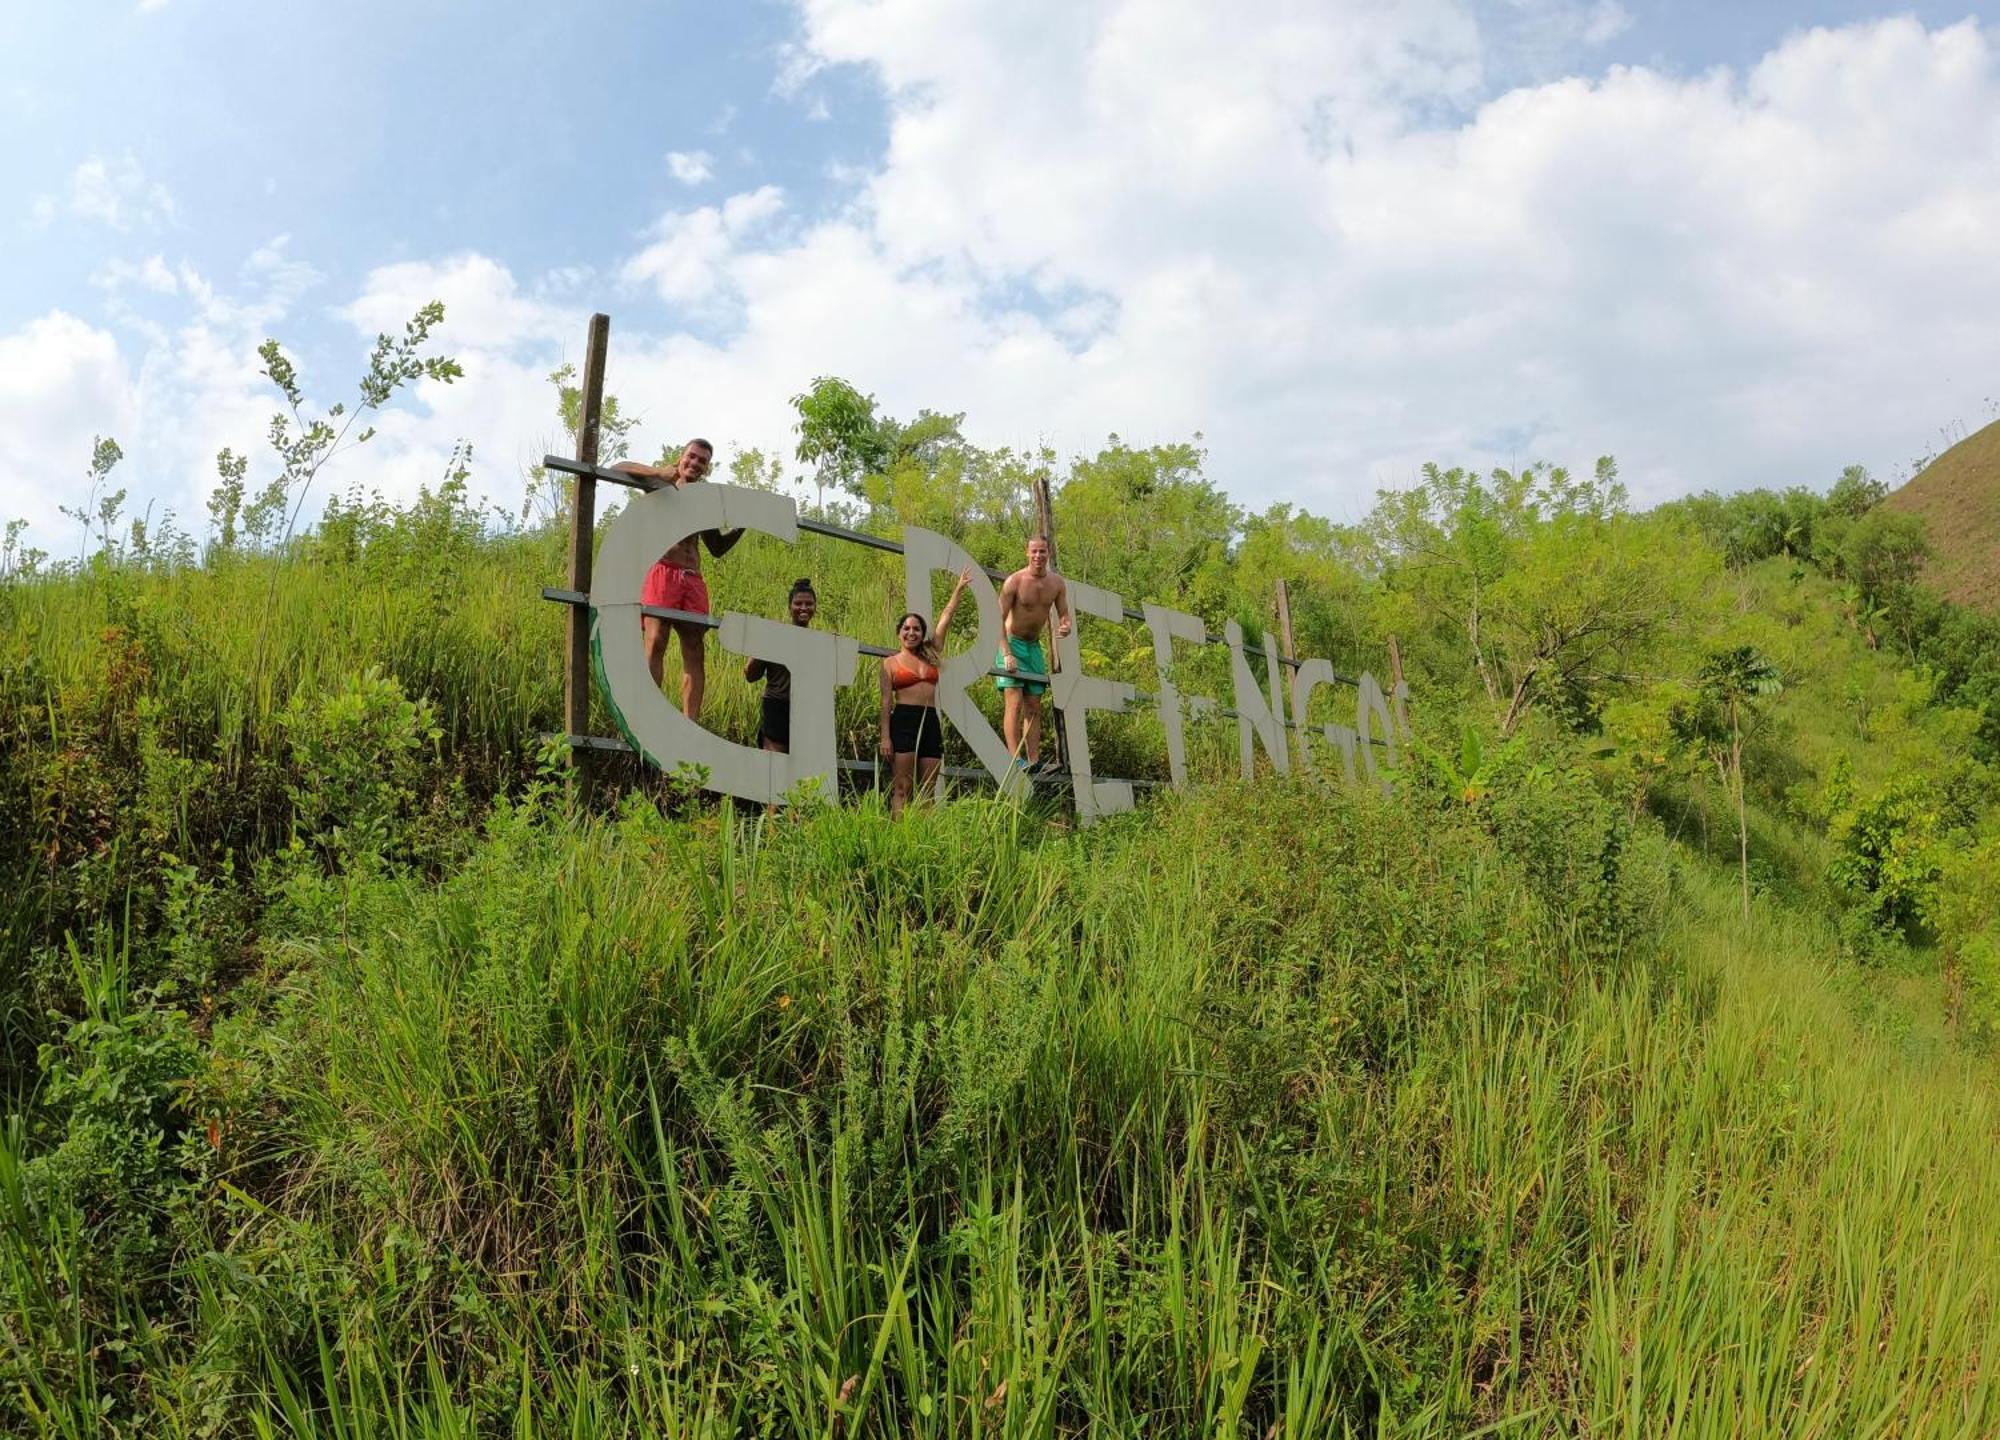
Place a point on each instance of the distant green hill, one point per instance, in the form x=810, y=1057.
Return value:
x=1958, y=494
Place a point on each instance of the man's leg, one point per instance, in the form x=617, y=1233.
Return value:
x=655, y=634
x=1031, y=716
x=694, y=670
x=1010, y=719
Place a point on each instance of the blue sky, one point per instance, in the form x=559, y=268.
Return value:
x=1729, y=244
x=373, y=131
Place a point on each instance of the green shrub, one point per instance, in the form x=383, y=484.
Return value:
x=100, y=1188
x=1891, y=849
x=1967, y=917
x=357, y=756
x=1979, y=956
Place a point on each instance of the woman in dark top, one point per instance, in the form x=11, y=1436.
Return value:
x=912, y=735
x=774, y=728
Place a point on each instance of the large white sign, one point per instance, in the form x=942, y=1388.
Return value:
x=820, y=661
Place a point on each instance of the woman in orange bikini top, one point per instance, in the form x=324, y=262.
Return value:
x=912, y=737
x=907, y=668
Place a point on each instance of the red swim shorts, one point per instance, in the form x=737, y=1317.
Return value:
x=672, y=588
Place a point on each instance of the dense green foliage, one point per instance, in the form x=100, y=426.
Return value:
x=1622, y=1071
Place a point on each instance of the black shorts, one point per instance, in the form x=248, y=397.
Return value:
x=916, y=727
x=777, y=723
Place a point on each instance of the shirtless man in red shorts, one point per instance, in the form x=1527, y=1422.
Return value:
x=675, y=583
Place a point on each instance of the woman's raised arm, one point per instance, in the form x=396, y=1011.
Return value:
x=950, y=609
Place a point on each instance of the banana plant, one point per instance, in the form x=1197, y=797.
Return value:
x=1470, y=775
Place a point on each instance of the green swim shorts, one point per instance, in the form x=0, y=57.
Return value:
x=1027, y=656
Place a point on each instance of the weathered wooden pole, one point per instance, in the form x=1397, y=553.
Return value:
x=1399, y=702
x=1291, y=652
x=1285, y=622
x=1045, y=521
x=582, y=530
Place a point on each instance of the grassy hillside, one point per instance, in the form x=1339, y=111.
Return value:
x=1294, y=1111
x=1958, y=497
x=367, y=1074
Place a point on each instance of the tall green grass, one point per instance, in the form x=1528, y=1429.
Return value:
x=142, y=711
x=1297, y=1112
x=351, y=1100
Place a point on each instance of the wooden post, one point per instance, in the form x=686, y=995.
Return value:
x=1397, y=706
x=1291, y=652
x=1045, y=521
x=1285, y=622
x=582, y=530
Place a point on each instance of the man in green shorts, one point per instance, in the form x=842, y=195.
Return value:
x=1026, y=599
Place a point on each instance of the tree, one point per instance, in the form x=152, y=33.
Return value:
x=1728, y=689
x=613, y=424
x=1458, y=545
x=306, y=446
x=1962, y=648
x=1446, y=542
x=101, y=510
x=754, y=470
x=1855, y=493
x=17, y=557
x=547, y=498
x=1890, y=849
x=840, y=435
x=1161, y=493
x=1883, y=553
x=225, y=502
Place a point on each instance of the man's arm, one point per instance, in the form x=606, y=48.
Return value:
x=1010, y=591
x=754, y=671
x=720, y=542
x=1062, y=608
x=654, y=473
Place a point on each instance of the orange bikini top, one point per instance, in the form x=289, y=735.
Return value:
x=902, y=674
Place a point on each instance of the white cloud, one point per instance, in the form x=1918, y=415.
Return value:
x=62, y=383
x=150, y=274
x=484, y=308
x=110, y=192
x=1322, y=240
x=684, y=262
x=1724, y=279
x=173, y=387
x=797, y=64
x=1604, y=22
x=185, y=381
x=1534, y=35
x=691, y=167
x=508, y=342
